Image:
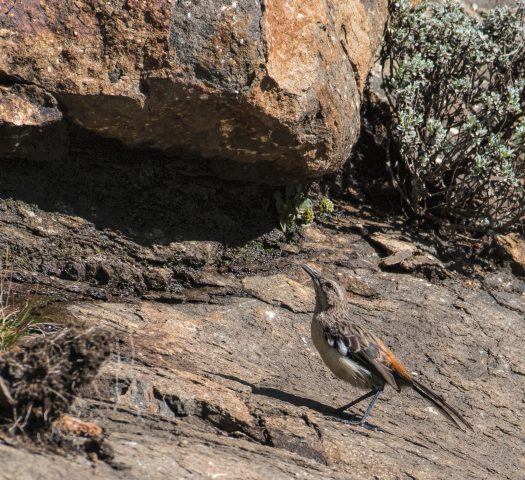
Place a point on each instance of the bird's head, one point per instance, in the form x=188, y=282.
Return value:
x=328, y=293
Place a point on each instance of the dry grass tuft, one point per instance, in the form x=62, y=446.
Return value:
x=40, y=381
x=15, y=320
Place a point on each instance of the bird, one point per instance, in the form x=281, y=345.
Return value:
x=359, y=357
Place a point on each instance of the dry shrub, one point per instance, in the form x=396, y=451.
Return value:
x=456, y=85
x=40, y=381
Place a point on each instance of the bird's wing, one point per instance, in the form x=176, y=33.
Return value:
x=366, y=349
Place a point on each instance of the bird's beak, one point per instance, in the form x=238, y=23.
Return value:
x=316, y=276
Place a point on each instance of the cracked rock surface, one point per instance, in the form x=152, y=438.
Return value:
x=221, y=379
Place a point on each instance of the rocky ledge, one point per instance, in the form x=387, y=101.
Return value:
x=221, y=380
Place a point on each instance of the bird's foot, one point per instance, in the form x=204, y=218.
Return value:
x=352, y=422
x=360, y=423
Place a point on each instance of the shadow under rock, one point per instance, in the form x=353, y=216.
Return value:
x=141, y=194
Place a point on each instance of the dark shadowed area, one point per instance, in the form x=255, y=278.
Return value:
x=141, y=194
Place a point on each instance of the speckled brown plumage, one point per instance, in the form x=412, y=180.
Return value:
x=356, y=355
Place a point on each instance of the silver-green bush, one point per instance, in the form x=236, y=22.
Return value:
x=456, y=85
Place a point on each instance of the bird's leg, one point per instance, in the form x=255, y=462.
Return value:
x=377, y=394
x=357, y=400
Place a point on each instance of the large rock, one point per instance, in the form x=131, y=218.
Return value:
x=275, y=85
x=30, y=124
x=511, y=247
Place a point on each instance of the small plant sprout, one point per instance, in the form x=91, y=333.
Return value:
x=325, y=206
x=296, y=210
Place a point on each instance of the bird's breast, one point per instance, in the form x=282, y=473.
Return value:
x=341, y=365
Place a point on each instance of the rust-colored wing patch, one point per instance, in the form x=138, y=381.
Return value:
x=394, y=363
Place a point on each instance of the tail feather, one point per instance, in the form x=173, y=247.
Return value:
x=449, y=412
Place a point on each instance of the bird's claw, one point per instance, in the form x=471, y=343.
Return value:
x=352, y=422
x=360, y=423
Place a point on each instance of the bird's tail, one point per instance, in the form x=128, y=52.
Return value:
x=451, y=413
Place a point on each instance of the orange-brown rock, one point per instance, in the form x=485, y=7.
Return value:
x=272, y=85
x=74, y=426
x=30, y=123
x=512, y=247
